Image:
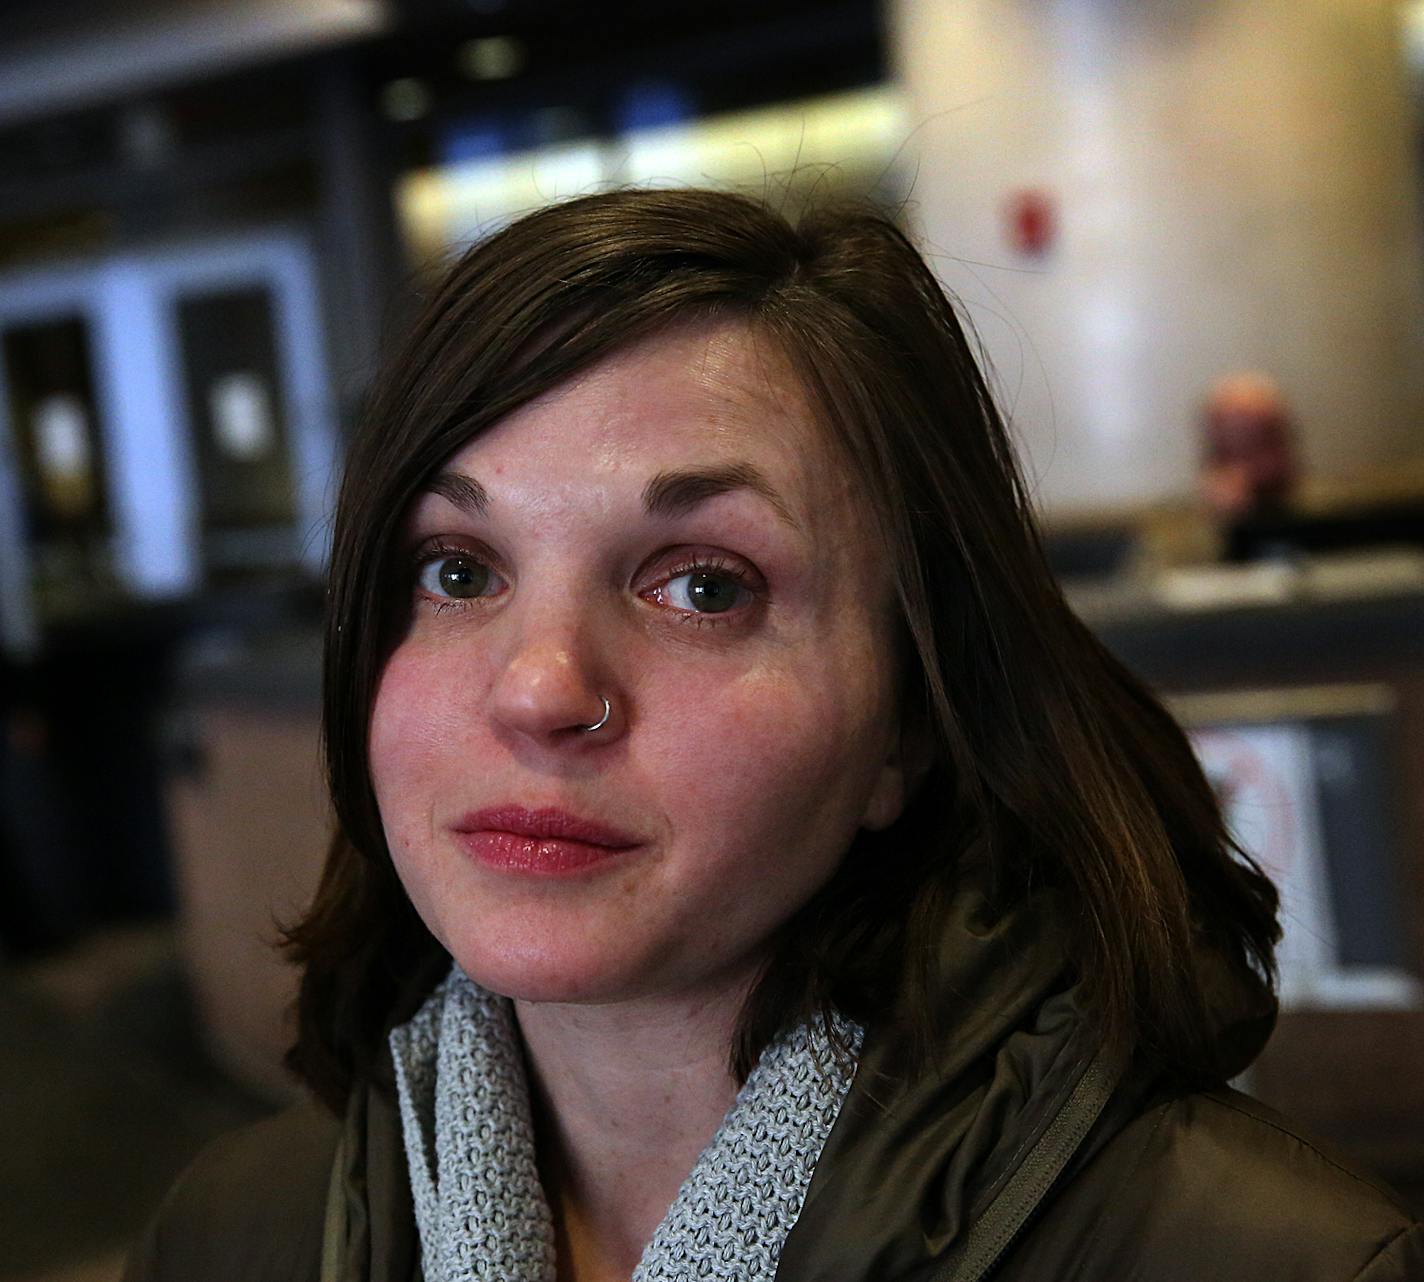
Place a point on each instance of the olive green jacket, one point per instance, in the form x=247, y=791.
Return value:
x=1019, y=1154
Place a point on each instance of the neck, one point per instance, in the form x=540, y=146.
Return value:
x=625, y=1097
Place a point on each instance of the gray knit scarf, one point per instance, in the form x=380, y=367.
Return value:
x=469, y=1143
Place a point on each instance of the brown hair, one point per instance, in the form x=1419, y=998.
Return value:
x=1051, y=761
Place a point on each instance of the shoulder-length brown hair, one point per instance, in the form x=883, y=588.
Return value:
x=1050, y=760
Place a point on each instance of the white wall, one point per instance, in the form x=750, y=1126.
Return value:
x=1236, y=188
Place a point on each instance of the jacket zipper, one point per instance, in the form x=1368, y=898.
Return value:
x=996, y=1229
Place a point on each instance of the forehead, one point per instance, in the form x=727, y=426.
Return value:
x=704, y=394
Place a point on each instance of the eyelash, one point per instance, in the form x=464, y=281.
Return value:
x=711, y=563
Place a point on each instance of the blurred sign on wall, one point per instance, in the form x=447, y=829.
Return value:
x=1307, y=783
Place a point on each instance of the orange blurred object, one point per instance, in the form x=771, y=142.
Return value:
x=1249, y=463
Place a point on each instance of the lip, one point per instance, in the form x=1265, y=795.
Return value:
x=547, y=841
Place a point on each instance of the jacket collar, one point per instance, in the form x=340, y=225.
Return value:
x=926, y=1155
x=921, y=1149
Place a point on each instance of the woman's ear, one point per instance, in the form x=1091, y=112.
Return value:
x=902, y=773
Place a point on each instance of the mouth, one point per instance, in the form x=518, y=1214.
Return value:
x=546, y=842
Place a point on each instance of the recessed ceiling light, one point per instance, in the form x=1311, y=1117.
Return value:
x=491, y=58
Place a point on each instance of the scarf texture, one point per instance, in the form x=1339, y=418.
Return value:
x=469, y=1141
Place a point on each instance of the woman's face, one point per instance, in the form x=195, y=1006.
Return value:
x=670, y=531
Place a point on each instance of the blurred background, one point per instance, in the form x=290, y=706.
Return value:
x=1189, y=234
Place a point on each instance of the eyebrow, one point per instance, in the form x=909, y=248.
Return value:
x=677, y=492
x=463, y=491
x=670, y=493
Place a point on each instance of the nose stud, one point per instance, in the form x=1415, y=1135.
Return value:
x=603, y=720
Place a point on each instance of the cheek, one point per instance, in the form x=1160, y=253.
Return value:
x=768, y=767
x=413, y=719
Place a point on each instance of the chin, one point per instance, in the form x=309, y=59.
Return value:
x=562, y=975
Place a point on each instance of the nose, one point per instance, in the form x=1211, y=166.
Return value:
x=548, y=686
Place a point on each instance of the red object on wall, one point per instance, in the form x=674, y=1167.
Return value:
x=1031, y=217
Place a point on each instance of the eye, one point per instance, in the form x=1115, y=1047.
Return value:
x=705, y=591
x=454, y=576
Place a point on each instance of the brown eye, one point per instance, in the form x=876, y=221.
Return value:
x=455, y=576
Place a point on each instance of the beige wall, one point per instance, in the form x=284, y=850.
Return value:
x=250, y=832
x=1236, y=187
